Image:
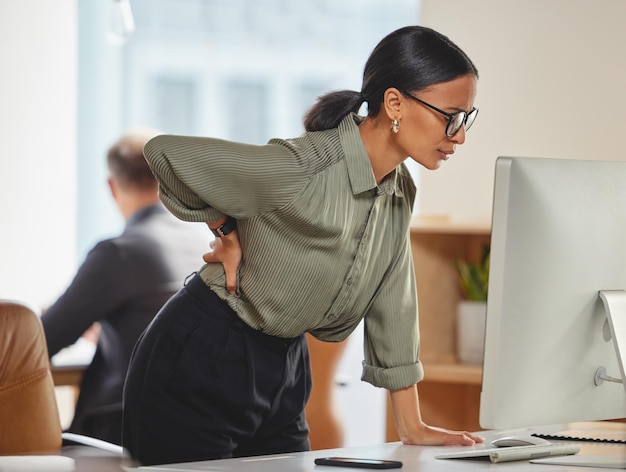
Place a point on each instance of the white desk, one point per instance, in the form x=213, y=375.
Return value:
x=69, y=364
x=414, y=458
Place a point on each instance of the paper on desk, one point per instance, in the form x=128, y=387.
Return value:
x=79, y=353
x=36, y=464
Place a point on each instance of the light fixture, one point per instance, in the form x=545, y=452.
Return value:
x=122, y=23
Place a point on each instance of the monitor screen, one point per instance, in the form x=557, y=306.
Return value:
x=558, y=239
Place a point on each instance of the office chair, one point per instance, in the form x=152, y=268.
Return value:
x=29, y=417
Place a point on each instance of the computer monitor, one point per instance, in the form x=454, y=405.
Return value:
x=558, y=239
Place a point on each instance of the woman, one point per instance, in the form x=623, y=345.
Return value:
x=312, y=236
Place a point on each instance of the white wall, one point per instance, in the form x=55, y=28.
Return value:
x=552, y=84
x=38, y=50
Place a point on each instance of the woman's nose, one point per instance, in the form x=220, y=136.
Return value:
x=459, y=137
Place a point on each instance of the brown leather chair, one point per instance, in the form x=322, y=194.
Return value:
x=29, y=417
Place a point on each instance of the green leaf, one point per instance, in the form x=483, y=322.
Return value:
x=474, y=277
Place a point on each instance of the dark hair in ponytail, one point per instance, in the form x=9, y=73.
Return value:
x=410, y=59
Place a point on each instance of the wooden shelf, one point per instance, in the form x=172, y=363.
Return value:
x=467, y=374
x=420, y=224
x=436, y=245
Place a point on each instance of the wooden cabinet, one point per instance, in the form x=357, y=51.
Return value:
x=450, y=391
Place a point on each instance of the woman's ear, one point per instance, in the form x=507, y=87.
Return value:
x=392, y=100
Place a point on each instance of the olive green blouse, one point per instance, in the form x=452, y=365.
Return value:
x=323, y=246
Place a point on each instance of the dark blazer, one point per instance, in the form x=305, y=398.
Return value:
x=122, y=284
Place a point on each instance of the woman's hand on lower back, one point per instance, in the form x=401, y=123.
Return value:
x=227, y=251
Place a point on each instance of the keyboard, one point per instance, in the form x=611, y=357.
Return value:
x=513, y=453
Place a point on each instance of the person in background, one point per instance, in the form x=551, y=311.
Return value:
x=121, y=285
x=312, y=237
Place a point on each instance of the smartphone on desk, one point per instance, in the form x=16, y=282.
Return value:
x=360, y=463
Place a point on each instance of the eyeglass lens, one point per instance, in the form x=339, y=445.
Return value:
x=459, y=119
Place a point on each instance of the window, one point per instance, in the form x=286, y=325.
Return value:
x=248, y=110
x=174, y=102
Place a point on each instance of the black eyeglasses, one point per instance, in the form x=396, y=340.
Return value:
x=455, y=120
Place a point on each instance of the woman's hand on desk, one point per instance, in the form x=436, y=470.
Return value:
x=426, y=435
x=413, y=431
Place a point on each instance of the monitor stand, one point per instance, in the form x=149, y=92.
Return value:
x=614, y=327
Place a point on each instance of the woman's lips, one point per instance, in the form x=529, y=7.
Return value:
x=445, y=155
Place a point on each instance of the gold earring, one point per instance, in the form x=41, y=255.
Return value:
x=395, y=125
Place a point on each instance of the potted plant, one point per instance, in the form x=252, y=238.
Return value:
x=472, y=308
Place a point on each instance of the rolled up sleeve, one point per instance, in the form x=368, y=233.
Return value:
x=392, y=330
